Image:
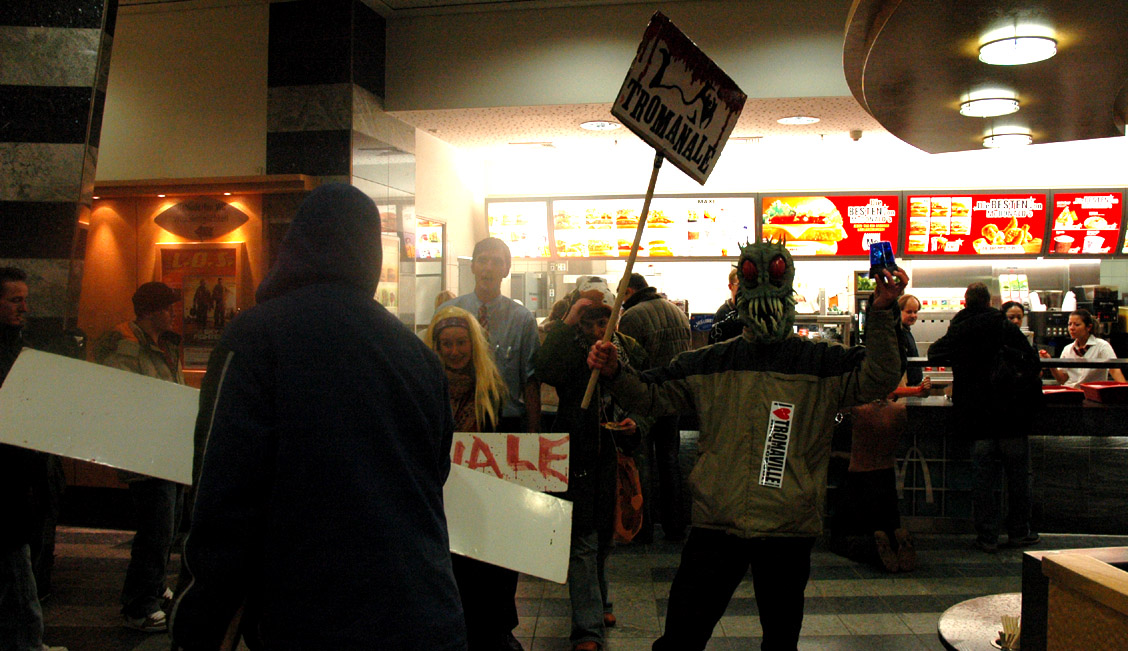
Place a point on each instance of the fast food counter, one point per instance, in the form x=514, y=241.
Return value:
x=1079, y=460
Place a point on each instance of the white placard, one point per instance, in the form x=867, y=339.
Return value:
x=96, y=413
x=677, y=100
x=536, y=461
x=498, y=522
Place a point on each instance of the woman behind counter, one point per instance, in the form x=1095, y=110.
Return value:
x=1084, y=346
x=476, y=395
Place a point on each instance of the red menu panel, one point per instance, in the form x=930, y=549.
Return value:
x=976, y=224
x=1085, y=222
x=824, y=226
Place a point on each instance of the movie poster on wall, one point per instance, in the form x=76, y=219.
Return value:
x=207, y=278
x=1085, y=223
x=843, y=225
x=975, y=224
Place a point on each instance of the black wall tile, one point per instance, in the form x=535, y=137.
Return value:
x=368, y=49
x=317, y=153
x=85, y=14
x=53, y=114
x=307, y=62
x=31, y=229
x=309, y=20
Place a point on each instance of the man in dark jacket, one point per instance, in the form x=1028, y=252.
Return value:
x=319, y=504
x=726, y=322
x=997, y=425
x=663, y=331
x=21, y=619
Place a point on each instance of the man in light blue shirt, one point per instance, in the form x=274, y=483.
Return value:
x=512, y=332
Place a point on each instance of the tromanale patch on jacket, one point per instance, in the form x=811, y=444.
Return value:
x=775, y=446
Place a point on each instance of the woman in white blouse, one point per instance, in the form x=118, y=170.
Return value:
x=1084, y=346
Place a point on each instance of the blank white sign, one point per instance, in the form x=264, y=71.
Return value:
x=495, y=521
x=90, y=412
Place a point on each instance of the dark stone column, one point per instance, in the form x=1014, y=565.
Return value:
x=56, y=56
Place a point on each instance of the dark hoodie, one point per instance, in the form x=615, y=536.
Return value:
x=326, y=438
x=974, y=337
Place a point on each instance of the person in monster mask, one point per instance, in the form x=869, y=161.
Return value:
x=767, y=403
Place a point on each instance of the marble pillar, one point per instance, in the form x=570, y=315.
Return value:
x=54, y=64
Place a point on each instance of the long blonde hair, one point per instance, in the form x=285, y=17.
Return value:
x=489, y=388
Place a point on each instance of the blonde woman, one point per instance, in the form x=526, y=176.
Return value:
x=477, y=392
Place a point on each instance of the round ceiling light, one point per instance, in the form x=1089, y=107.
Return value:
x=600, y=125
x=998, y=140
x=798, y=119
x=1017, y=50
x=989, y=107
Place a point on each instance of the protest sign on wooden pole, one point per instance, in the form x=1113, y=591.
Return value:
x=678, y=101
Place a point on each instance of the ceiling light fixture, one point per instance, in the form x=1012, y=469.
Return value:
x=798, y=119
x=600, y=125
x=1014, y=139
x=1015, y=49
x=989, y=107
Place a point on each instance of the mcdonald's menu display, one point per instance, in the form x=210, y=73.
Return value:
x=976, y=224
x=830, y=226
x=1085, y=222
x=523, y=225
x=675, y=226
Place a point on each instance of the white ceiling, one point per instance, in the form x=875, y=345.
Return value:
x=489, y=128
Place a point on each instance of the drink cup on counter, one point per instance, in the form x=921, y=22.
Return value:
x=1062, y=243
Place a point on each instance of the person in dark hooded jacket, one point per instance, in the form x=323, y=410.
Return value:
x=318, y=520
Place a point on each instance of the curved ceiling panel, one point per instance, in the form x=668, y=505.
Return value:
x=911, y=63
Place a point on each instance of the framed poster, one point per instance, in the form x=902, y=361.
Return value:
x=208, y=277
x=975, y=224
x=831, y=225
x=1085, y=223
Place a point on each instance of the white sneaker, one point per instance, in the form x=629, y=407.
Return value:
x=155, y=622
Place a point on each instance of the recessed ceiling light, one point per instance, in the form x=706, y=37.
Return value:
x=1017, y=50
x=96, y=197
x=161, y=196
x=798, y=119
x=600, y=125
x=989, y=107
x=997, y=140
x=227, y=194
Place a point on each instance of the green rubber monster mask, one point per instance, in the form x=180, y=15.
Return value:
x=765, y=300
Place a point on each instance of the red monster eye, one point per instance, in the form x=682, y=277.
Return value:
x=749, y=271
x=777, y=267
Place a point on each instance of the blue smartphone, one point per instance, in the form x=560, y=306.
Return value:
x=881, y=257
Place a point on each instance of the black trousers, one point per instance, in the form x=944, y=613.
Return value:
x=712, y=565
x=488, y=604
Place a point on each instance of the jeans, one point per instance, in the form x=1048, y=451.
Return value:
x=587, y=585
x=991, y=460
x=154, y=507
x=712, y=565
x=21, y=620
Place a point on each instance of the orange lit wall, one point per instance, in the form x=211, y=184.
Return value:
x=123, y=251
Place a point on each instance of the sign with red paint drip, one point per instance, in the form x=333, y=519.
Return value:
x=536, y=461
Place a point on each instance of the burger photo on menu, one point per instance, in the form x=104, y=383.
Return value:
x=571, y=249
x=566, y=221
x=658, y=219
x=659, y=248
x=625, y=248
x=598, y=219
x=960, y=216
x=810, y=226
x=626, y=218
x=599, y=248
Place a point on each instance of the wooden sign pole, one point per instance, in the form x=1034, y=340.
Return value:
x=621, y=294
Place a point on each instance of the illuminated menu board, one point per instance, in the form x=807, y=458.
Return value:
x=523, y=225
x=675, y=227
x=830, y=226
x=976, y=224
x=1085, y=223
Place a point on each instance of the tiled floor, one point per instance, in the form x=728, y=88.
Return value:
x=849, y=606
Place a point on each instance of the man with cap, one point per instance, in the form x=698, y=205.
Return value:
x=594, y=434
x=147, y=346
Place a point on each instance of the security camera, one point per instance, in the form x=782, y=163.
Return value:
x=855, y=134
